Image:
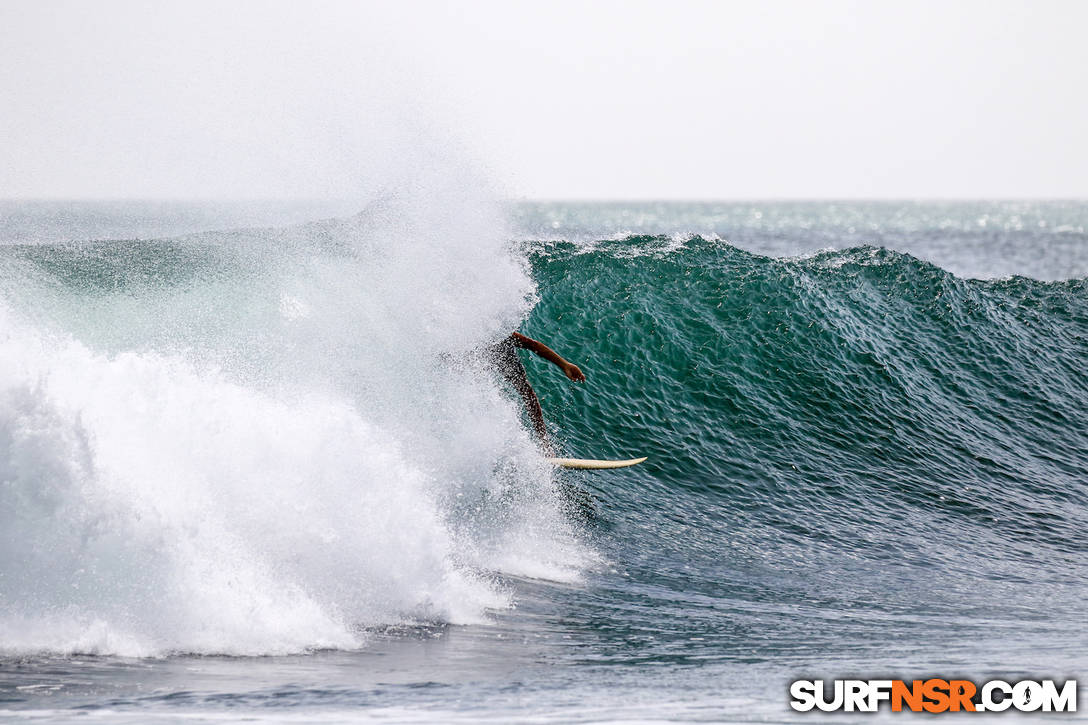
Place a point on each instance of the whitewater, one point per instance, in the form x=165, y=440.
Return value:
x=260, y=468
x=265, y=442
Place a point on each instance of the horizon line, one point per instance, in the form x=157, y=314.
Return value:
x=554, y=200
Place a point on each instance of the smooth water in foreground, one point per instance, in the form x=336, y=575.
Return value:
x=264, y=472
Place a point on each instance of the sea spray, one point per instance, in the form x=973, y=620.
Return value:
x=267, y=441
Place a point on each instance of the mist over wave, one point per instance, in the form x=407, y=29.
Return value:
x=267, y=441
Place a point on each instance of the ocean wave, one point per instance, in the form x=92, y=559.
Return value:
x=862, y=397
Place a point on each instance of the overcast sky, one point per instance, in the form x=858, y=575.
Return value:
x=606, y=100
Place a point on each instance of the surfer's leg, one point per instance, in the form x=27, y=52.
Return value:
x=532, y=405
x=514, y=372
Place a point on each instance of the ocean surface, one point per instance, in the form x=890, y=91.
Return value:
x=254, y=464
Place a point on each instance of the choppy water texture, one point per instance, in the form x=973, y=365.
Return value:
x=265, y=472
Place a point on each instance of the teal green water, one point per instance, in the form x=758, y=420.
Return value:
x=858, y=411
x=835, y=370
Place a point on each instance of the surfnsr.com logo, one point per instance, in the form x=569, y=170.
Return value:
x=933, y=695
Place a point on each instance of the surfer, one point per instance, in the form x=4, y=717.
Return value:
x=505, y=357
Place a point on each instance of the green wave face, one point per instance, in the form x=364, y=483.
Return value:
x=862, y=398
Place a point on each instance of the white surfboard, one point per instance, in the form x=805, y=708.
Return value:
x=593, y=465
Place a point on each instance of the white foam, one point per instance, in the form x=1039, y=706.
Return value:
x=275, y=462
